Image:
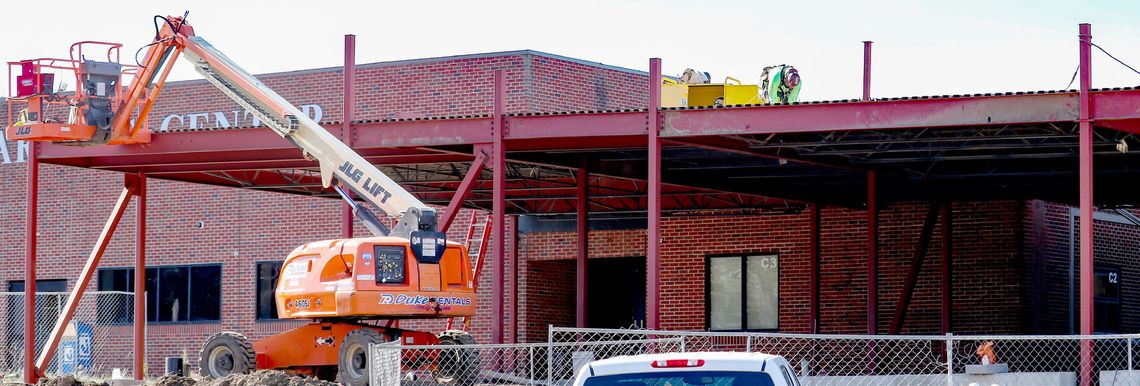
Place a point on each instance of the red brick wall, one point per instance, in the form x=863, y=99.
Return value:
x=463, y=85
x=1047, y=253
x=986, y=246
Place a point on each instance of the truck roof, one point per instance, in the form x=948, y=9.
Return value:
x=712, y=361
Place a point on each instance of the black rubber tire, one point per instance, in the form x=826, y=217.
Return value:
x=227, y=353
x=458, y=367
x=352, y=363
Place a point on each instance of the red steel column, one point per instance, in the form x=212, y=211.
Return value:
x=653, y=249
x=814, y=278
x=30, y=375
x=947, y=244
x=583, y=242
x=498, y=209
x=867, y=70
x=140, y=278
x=872, y=255
x=1086, y=204
x=346, y=224
x=514, y=298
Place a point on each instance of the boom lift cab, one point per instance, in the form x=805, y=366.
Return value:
x=362, y=278
x=348, y=288
x=40, y=111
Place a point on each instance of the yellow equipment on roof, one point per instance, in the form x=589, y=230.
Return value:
x=693, y=89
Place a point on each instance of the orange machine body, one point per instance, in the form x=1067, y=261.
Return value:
x=342, y=283
x=376, y=277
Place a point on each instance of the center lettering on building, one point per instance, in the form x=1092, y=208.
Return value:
x=225, y=119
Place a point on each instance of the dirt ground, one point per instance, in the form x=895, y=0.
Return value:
x=259, y=378
x=68, y=380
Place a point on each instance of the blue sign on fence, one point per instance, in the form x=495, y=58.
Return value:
x=67, y=357
x=75, y=350
x=84, y=339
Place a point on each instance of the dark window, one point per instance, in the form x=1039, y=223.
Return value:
x=50, y=298
x=115, y=307
x=1106, y=299
x=267, y=275
x=390, y=264
x=743, y=292
x=206, y=282
x=173, y=294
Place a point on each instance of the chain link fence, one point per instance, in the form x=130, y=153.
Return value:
x=818, y=359
x=98, y=339
x=500, y=364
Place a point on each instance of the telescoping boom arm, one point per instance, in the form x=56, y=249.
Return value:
x=340, y=166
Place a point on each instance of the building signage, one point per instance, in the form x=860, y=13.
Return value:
x=226, y=119
x=10, y=152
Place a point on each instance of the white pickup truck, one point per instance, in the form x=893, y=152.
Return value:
x=689, y=369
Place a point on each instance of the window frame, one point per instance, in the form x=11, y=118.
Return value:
x=257, y=287
x=743, y=290
x=189, y=291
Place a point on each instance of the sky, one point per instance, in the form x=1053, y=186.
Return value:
x=921, y=47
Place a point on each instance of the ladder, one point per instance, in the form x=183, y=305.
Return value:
x=476, y=249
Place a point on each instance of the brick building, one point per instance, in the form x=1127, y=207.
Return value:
x=221, y=244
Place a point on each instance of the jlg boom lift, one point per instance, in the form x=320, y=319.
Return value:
x=347, y=287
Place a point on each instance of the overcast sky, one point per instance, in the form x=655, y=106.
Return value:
x=921, y=47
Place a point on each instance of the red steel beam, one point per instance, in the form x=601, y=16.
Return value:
x=498, y=208
x=1086, y=204
x=581, y=275
x=942, y=112
x=30, y=374
x=623, y=127
x=464, y=189
x=1115, y=105
x=265, y=158
x=920, y=250
x=592, y=125
x=947, y=255
x=872, y=255
x=867, y=70
x=84, y=278
x=140, y=277
x=432, y=132
x=168, y=143
x=160, y=168
x=346, y=220
x=653, y=239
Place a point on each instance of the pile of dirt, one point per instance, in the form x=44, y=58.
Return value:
x=259, y=378
x=173, y=380
x=68, y=380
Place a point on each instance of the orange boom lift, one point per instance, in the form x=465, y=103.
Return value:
x=347, y=287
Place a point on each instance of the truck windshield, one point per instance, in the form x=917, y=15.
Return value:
x=688, y=378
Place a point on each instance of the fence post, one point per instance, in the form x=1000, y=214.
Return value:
x=1129, y=358
x=530, y=368
x=747, y=344
x=950, y=359
x=550, y=354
